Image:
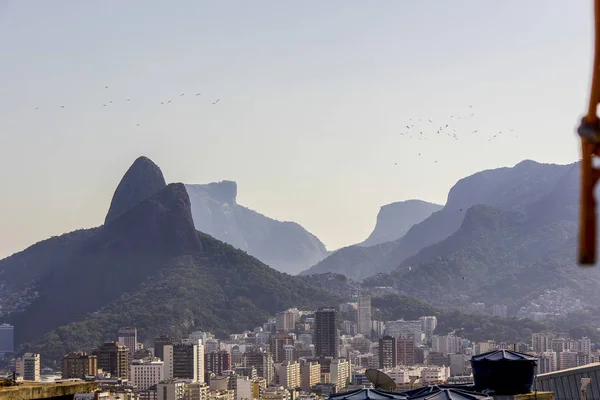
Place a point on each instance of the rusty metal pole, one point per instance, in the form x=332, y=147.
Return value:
x=589, y=131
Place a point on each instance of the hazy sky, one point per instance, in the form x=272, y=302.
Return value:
x=313, y=97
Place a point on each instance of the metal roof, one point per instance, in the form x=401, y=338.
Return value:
x=443, y=392
x=368, y=394
x=500, y=355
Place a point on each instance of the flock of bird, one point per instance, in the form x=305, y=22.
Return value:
x=427, y=128
x=414, y=128
x=164, y=102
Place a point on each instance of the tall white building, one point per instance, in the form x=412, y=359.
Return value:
x=364, y=317
x=339, y=372
x=585, y=344
x=199, y=354
x=541, y=342
x=447, y=344
x=29, y=367
x=428, y=325
x=286, y=321
x=547, y=362
x=288, y=374
x=168, y=362
x=146, y=373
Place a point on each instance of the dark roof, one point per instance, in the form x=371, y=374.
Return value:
x=368, y=394
x=443, y=392
x=499, y=355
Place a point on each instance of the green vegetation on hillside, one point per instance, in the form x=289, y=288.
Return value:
x=221, y=290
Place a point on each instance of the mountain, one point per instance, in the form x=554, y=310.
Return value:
x=285, y=246
x=142, y=180
x=355, y=262
x=506, y=256
x=503, y=188
x=149, y=267
x=395, y=219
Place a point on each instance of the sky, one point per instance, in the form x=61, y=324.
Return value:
x=314, y=99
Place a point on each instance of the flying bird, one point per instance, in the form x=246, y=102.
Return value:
x=181, y=94
x=168, y=101
x=105, y=87
x=62, y=106
x=216, y=101
x=198, y=94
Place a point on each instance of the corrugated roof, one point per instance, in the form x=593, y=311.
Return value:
x=444, y=393
x=368, y=394
x=499, y=355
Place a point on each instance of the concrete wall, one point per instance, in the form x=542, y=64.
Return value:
x=566, y=384
x=27, y=391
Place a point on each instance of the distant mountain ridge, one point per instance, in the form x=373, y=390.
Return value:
x=285, y=246
x=148, y=267
x=511, y=256
x=503, y=188
x=395, y=219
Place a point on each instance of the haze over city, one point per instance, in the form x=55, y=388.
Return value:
x=312, y=97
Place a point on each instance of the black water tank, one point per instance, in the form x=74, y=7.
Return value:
x=503, y=371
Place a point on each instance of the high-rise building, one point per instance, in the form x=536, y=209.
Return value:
x=277, y=344
x=286, y=321
x=364, y=315
x=200, y=364
x=159, y=344
x=541, y=342
x=216, y=362
x=187, y=357
x=339, y=372
x=310, y=375
x=405, y=351
x=29, y=367
x=447, y=344
x=387, y=352
x=146, y=373
x=79, y=365
x=7, y=339
x=585, y=345
x=428, y=324
x=288, y=374
x=262, y=361
x=128, y=338
x=113, y=358
x=326, y=335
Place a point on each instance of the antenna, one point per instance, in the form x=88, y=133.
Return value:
x=380, y=380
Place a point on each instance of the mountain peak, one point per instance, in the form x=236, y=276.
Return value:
x=395, y=219
x=162, y=220
x=143, y=179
